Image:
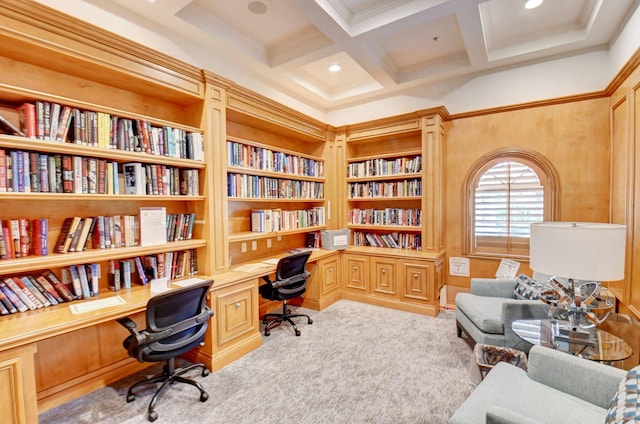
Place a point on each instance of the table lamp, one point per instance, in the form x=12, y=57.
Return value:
x=583, y=254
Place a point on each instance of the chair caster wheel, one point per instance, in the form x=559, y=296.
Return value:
x=131, y=398
x=205, y=372
x=297, y=332
x=310, y=321
x=266, y=333
x=264, y=321
x=204, y=396
x=153, y=415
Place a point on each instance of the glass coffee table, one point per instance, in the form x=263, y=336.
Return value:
x=596, y=345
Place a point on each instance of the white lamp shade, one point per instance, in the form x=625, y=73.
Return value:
x=579, y=250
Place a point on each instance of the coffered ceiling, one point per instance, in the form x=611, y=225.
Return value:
x=384, y=47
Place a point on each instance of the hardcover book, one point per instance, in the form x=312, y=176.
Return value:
x=69, y=227
x=27, y=118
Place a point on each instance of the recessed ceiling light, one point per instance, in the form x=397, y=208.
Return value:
x=257, y=7
x=532, y=4
x=335, y=68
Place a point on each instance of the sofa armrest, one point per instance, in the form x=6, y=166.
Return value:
x=492, y=288
x=588, y=380
x=499, y=415
x=521, y=309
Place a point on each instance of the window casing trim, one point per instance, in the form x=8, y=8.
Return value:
x=548, y=179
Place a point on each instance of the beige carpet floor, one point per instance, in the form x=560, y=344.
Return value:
x=357, y=363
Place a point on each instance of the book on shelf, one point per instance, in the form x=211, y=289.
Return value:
x=81, y=235
x=27, y=119
x=8, y=128
x=142, y=276
x=13, y=226
x=13, y=297
x=60, y=287
x=40, y=237
x=134, y=178
x=114, y=278
x=3, y=248
x=9, y=307
x=125, y=273
x=25, y=295
x=8, y=242
x=80, y=290
x=3, y=171
x=67, y=231
x=24, y=226
x=93, y=274
x=38, y=292
x=53, y=300
x=49, y=287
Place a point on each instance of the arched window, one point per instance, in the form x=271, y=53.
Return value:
x=507, y=191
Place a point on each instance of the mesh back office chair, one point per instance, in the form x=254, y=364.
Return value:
x=290, y=282
x=176, y=323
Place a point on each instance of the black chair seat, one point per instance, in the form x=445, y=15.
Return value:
x=290, y=282
x=177, y=321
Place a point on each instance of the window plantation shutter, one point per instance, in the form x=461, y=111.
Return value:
x=508, y=198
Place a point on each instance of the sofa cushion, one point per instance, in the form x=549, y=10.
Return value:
x=527, y=288
x=625, y=405
x=485, y=312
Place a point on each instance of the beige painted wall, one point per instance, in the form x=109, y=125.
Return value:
x=573, y=136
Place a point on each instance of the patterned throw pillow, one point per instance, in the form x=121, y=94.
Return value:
x=527, y=288
x=625, y=405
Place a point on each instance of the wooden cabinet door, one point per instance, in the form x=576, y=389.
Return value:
x=329, y=271
x=383, y=278
x=417, y=281
x=17, y=385
x=236, y=310
x=356, y=269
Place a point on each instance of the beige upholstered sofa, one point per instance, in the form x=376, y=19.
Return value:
x=485, y=314
x=558, y=388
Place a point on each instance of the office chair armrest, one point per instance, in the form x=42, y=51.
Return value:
x=267, y=279
x=129, y=324
x=291, y=280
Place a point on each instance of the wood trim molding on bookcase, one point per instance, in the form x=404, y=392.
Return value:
x=31, y=31
x=253, y=105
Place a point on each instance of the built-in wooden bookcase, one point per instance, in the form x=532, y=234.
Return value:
x=393, y=198
x=275, y=164
x=91, y=70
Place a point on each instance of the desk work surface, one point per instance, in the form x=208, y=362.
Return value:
x=31, y=326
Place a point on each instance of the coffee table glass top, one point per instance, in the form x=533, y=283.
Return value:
x=597, y=345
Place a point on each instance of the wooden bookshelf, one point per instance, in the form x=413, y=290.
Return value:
x=403, y=267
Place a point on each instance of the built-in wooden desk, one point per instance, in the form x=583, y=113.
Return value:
x=49, y=356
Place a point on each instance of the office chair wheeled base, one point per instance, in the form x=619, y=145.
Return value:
x=277, y=319
x=169, y=376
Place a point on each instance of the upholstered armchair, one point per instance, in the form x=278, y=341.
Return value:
x=485, y=314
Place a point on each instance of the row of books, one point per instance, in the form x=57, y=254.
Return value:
x=26, y=292
x=392, y=240
x=23, y=237
x=150, y=179
x=386, y=216
x=377, y=167
x=258, y=187
x=33, y=172
x=60, y=123
x=29, y=292
x=246, y=156
x=386, y=189
x=123, y=273
x=274, y=220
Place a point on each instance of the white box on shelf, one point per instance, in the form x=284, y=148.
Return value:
x=335, y=239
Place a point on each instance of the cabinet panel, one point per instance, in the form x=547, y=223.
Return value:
x=58, y=359
x=330, y=272
x=417, y=281
x=17, y=386
x=383, y=277
x=356, y=268
x=236, y=312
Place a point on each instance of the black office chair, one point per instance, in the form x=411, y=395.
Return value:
x=290, y=282
x=176, y=323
